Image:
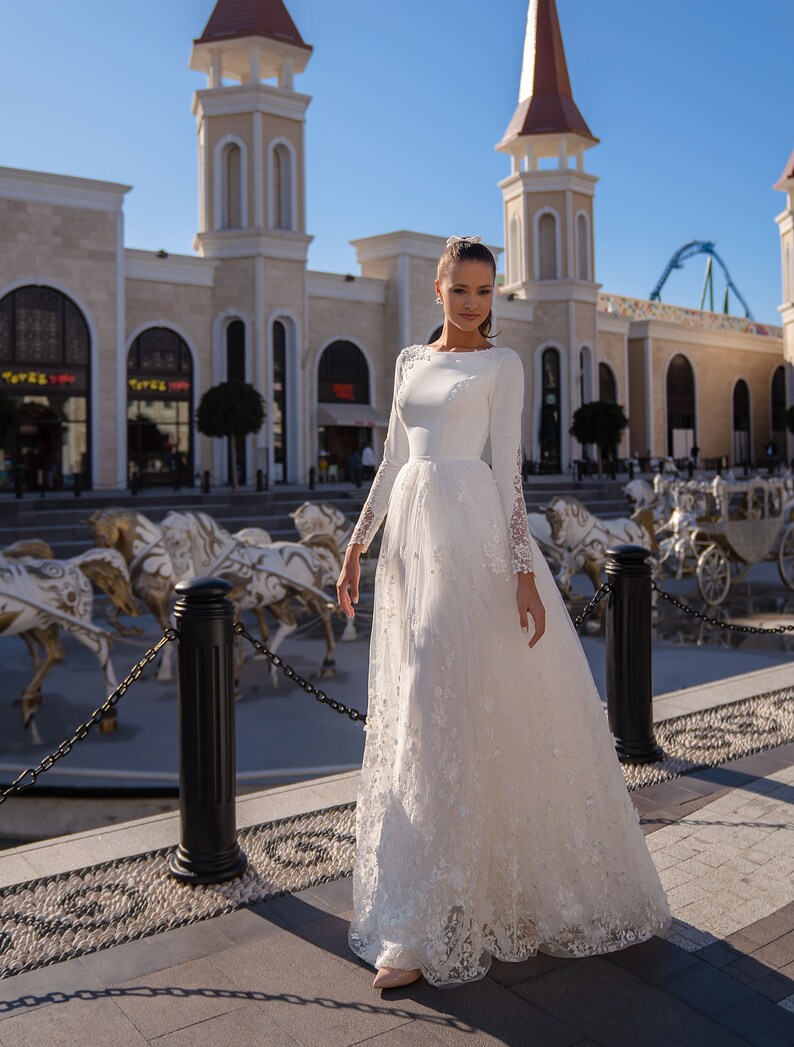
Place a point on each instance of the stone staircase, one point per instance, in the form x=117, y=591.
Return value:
x=61, y=519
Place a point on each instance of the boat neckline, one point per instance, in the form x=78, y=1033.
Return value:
x=459, y=352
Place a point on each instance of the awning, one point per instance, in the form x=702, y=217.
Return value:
x=350, y=414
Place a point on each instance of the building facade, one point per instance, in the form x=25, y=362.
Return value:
x=107, y=349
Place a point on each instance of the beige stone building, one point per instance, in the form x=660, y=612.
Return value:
x=108, y=349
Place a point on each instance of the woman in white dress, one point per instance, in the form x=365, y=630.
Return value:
x=493, y=818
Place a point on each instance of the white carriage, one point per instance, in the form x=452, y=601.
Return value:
x=737, y=524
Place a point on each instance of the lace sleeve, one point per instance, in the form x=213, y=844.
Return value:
x=395, y=454
x=506, y=402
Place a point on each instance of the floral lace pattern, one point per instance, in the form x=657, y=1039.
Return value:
x=492, y=818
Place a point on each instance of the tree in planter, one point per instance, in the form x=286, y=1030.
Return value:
x=234, y=410
x=600, y=422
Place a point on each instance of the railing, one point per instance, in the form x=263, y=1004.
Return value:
x=208, y=851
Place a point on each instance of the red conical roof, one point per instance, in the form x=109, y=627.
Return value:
x=787, y=176
x=237, y=18
x=546, y=104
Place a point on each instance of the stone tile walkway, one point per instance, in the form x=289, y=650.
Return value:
x=281, y=973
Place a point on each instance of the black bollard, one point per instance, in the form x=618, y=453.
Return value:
x=312, y=474
x=208, y=851
x=628, y=637
x=205, y=482
x=19, y=482
x=631, y=469
x=78, y=485
x=260, y=481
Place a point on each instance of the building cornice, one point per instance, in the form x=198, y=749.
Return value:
x=62, y=190
x=241, y=243
x=548, y=182
x=363, y=289
x=669, y=331
x=562, y=291
x=250, y=98
x=403, y=242
x=611, y=323
x=519, y=309
x=174, y=269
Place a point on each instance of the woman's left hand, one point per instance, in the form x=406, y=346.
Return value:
x=529, y=601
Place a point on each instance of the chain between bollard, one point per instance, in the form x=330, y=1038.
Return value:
x=82, y=731
x=777, y=630
x=291, y=674
x=599, y=595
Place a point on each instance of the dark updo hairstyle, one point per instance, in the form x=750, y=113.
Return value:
x=467, y=251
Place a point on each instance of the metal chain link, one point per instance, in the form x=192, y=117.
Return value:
x=716, y=621
x=81, y=732
x=599, y=595
x=291, y=674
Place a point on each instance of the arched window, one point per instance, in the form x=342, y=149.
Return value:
x=680, y=393
x=159, y=398
x=547, y=247
x=550, y=413
x=582, y=248
x=235, y=372
x=232, y=189
x=741, y=423
x=280, y=400
x=607, y=386
x=778, y=410
x=281, y=187
x=342, y=382
x=45, y=354
x=514, y=265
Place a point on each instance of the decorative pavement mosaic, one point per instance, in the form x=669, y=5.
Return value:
x=50, y=919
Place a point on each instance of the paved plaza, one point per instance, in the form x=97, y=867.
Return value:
x=280, y=972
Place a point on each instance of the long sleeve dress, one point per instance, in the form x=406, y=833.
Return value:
x=493, y=818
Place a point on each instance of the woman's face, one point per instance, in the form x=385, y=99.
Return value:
x=467, y=290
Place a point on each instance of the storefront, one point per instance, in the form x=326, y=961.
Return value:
x=45, y=355
x=345, y=418
x=159, y=409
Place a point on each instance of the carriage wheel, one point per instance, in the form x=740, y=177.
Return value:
x=714, y=575
x=785, y=556
x=700, y=541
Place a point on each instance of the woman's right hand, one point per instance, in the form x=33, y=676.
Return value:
x=348, y=579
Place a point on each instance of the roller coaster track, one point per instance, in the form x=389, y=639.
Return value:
x=689, y=251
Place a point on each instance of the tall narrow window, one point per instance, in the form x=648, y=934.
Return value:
x=547, y=247
x=680, y=407
x=778, y=412
x=550, y=414
x=583, y=248
x=514, y=257
x=279, y=400
x=607, y=386
x=282, y=187
x=235, y=372
x=741, y=423
x=233, y=202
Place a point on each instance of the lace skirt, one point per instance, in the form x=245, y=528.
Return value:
x=493, y=819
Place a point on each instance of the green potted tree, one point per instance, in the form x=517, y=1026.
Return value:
x=233, y=410
x=600, y=422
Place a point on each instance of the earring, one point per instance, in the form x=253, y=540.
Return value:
x=439, y=300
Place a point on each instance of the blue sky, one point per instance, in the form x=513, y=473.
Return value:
x=689, y=98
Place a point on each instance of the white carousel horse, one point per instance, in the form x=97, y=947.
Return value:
x=586, y=537
x=140, y=542
x=41, y=596
x=320, y=518
x=269, y=576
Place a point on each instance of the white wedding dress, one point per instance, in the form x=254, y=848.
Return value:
x=493, y=819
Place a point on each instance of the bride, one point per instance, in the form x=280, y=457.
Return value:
x=493, y=818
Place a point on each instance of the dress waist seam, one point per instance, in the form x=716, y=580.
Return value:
x=442, y=458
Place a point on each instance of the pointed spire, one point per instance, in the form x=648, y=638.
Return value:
x=787, y=178
x=233, y=19
x=545, y=101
